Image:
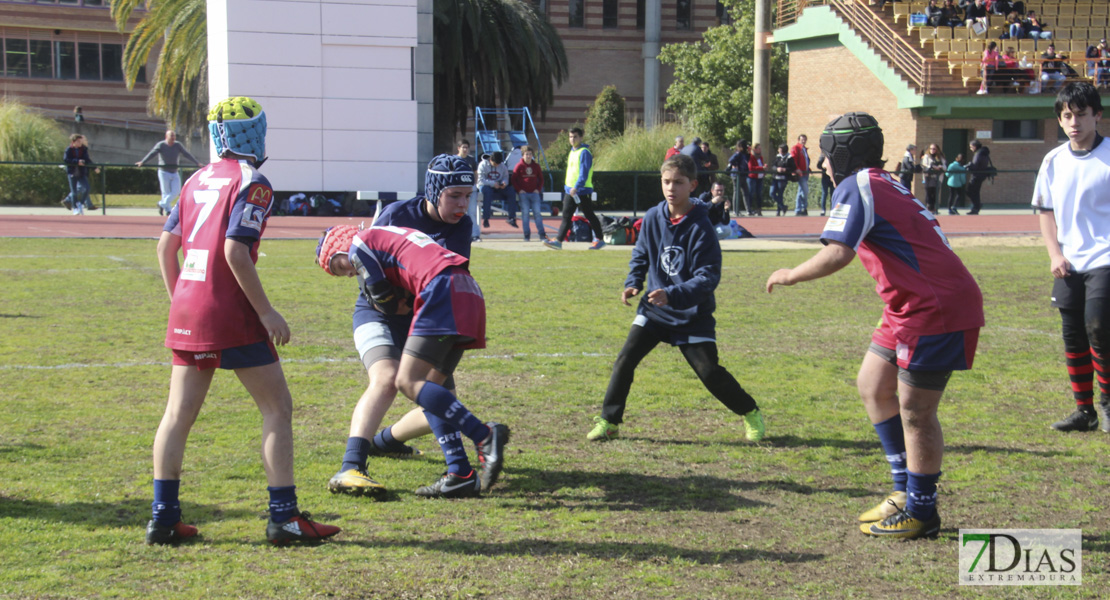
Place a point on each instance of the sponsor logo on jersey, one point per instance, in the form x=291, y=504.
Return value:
x=180, y=331
x=195, y=267
x=259, y=195
x=841, y=211
x=253, y=216
x=672, y=260
x=835, y=224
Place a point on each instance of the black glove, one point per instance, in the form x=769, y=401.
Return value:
x=384, y=296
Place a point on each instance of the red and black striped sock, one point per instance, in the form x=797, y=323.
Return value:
x=1081, y=373
x=1102, y=375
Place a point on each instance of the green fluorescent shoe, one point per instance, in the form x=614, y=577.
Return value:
x=753, y=426
x=602, y=431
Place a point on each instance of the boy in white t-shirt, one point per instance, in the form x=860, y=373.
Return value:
x=1071, y=193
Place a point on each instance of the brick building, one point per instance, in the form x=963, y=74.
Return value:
x=604, y=41
x=835, y=69
x=66, y=53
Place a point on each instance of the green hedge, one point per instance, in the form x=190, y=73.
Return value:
x=45, y=185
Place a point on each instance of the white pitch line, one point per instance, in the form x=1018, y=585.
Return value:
x=124, y=365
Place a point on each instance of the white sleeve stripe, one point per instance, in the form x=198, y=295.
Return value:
x=863, y=180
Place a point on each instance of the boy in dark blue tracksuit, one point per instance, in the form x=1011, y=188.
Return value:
x=679, y=255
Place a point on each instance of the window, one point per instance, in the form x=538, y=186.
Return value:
x=609, y=14
x=577, y=9
x=111, y=61
x=65, y=60
x=682, y=16
x=641, y=14
x=57, y=59
x=40, y=59
x=723, y=16
x=15, y=57
x=88, y=61
x=1017, y=130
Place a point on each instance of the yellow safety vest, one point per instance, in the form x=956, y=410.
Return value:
x=574, y=167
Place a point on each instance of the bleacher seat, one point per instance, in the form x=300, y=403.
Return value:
x=1027, y=45
x=1065, y=21
x=940, y=48
x=518, y=139
x=901, y=11
x=970, y=74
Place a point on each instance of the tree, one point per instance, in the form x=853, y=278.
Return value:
x=501, y=53
x=179, y=85
x=605, y=119
x=712, y=91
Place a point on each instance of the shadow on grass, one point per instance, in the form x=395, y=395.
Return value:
x=125, y=513
x=7, y=316
x=555, y=490
x=603, y=550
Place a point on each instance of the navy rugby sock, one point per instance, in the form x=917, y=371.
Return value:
x=439, y=401
x=450, y=440
x=385, y=440
x=921, y=495
x=166, y=509
x=355, y=456
x=283, y=503
x=894, y=447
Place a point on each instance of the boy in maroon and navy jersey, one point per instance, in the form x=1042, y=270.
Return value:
x=220, y=317
x=449, y=315
x=930, y=324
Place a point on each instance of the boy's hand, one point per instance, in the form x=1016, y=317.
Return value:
x=628, y=293
x=276, y=327
x=780, y=277
x=657, y=298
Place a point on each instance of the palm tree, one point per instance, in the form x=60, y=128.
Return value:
x=179, y=86
x=502, y=53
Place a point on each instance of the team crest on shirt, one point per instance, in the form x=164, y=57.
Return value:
x=259, y=195
x=672, y=260
x=253, y=216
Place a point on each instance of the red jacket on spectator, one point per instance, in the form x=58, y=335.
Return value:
x=755, y=166
x=527, y=177
x=801, y=158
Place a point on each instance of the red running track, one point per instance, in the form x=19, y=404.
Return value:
x=108, y=226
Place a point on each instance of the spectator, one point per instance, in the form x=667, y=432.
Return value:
x=78, y=115
x=932, y=165
x=950, y=14
x=527, y=180
x=679, y=144
x=1015, y=29
x=472, y=206
x=979, y=170
x=1102, y=68
x=934, y=15
x=717, y=204
x=1052, y=72
x=1033, y=27
x=77, y=161
x=800, y=155
x=711, y=163
x=976, y=13
x=1002, y=7
x=694, y=151
x=755, y=178
x=908, y=167
x=578, y=189
x=738, y=167
x=989, y=63
x=493, y=179
x=783, y=166
x=826, y=183
x=957, y=178
x=169, y=181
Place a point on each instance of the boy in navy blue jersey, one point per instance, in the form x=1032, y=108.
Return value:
x=679, y=256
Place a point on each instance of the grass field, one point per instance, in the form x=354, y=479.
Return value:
x=679, y=507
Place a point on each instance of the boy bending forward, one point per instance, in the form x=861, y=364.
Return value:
x=678, y=249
